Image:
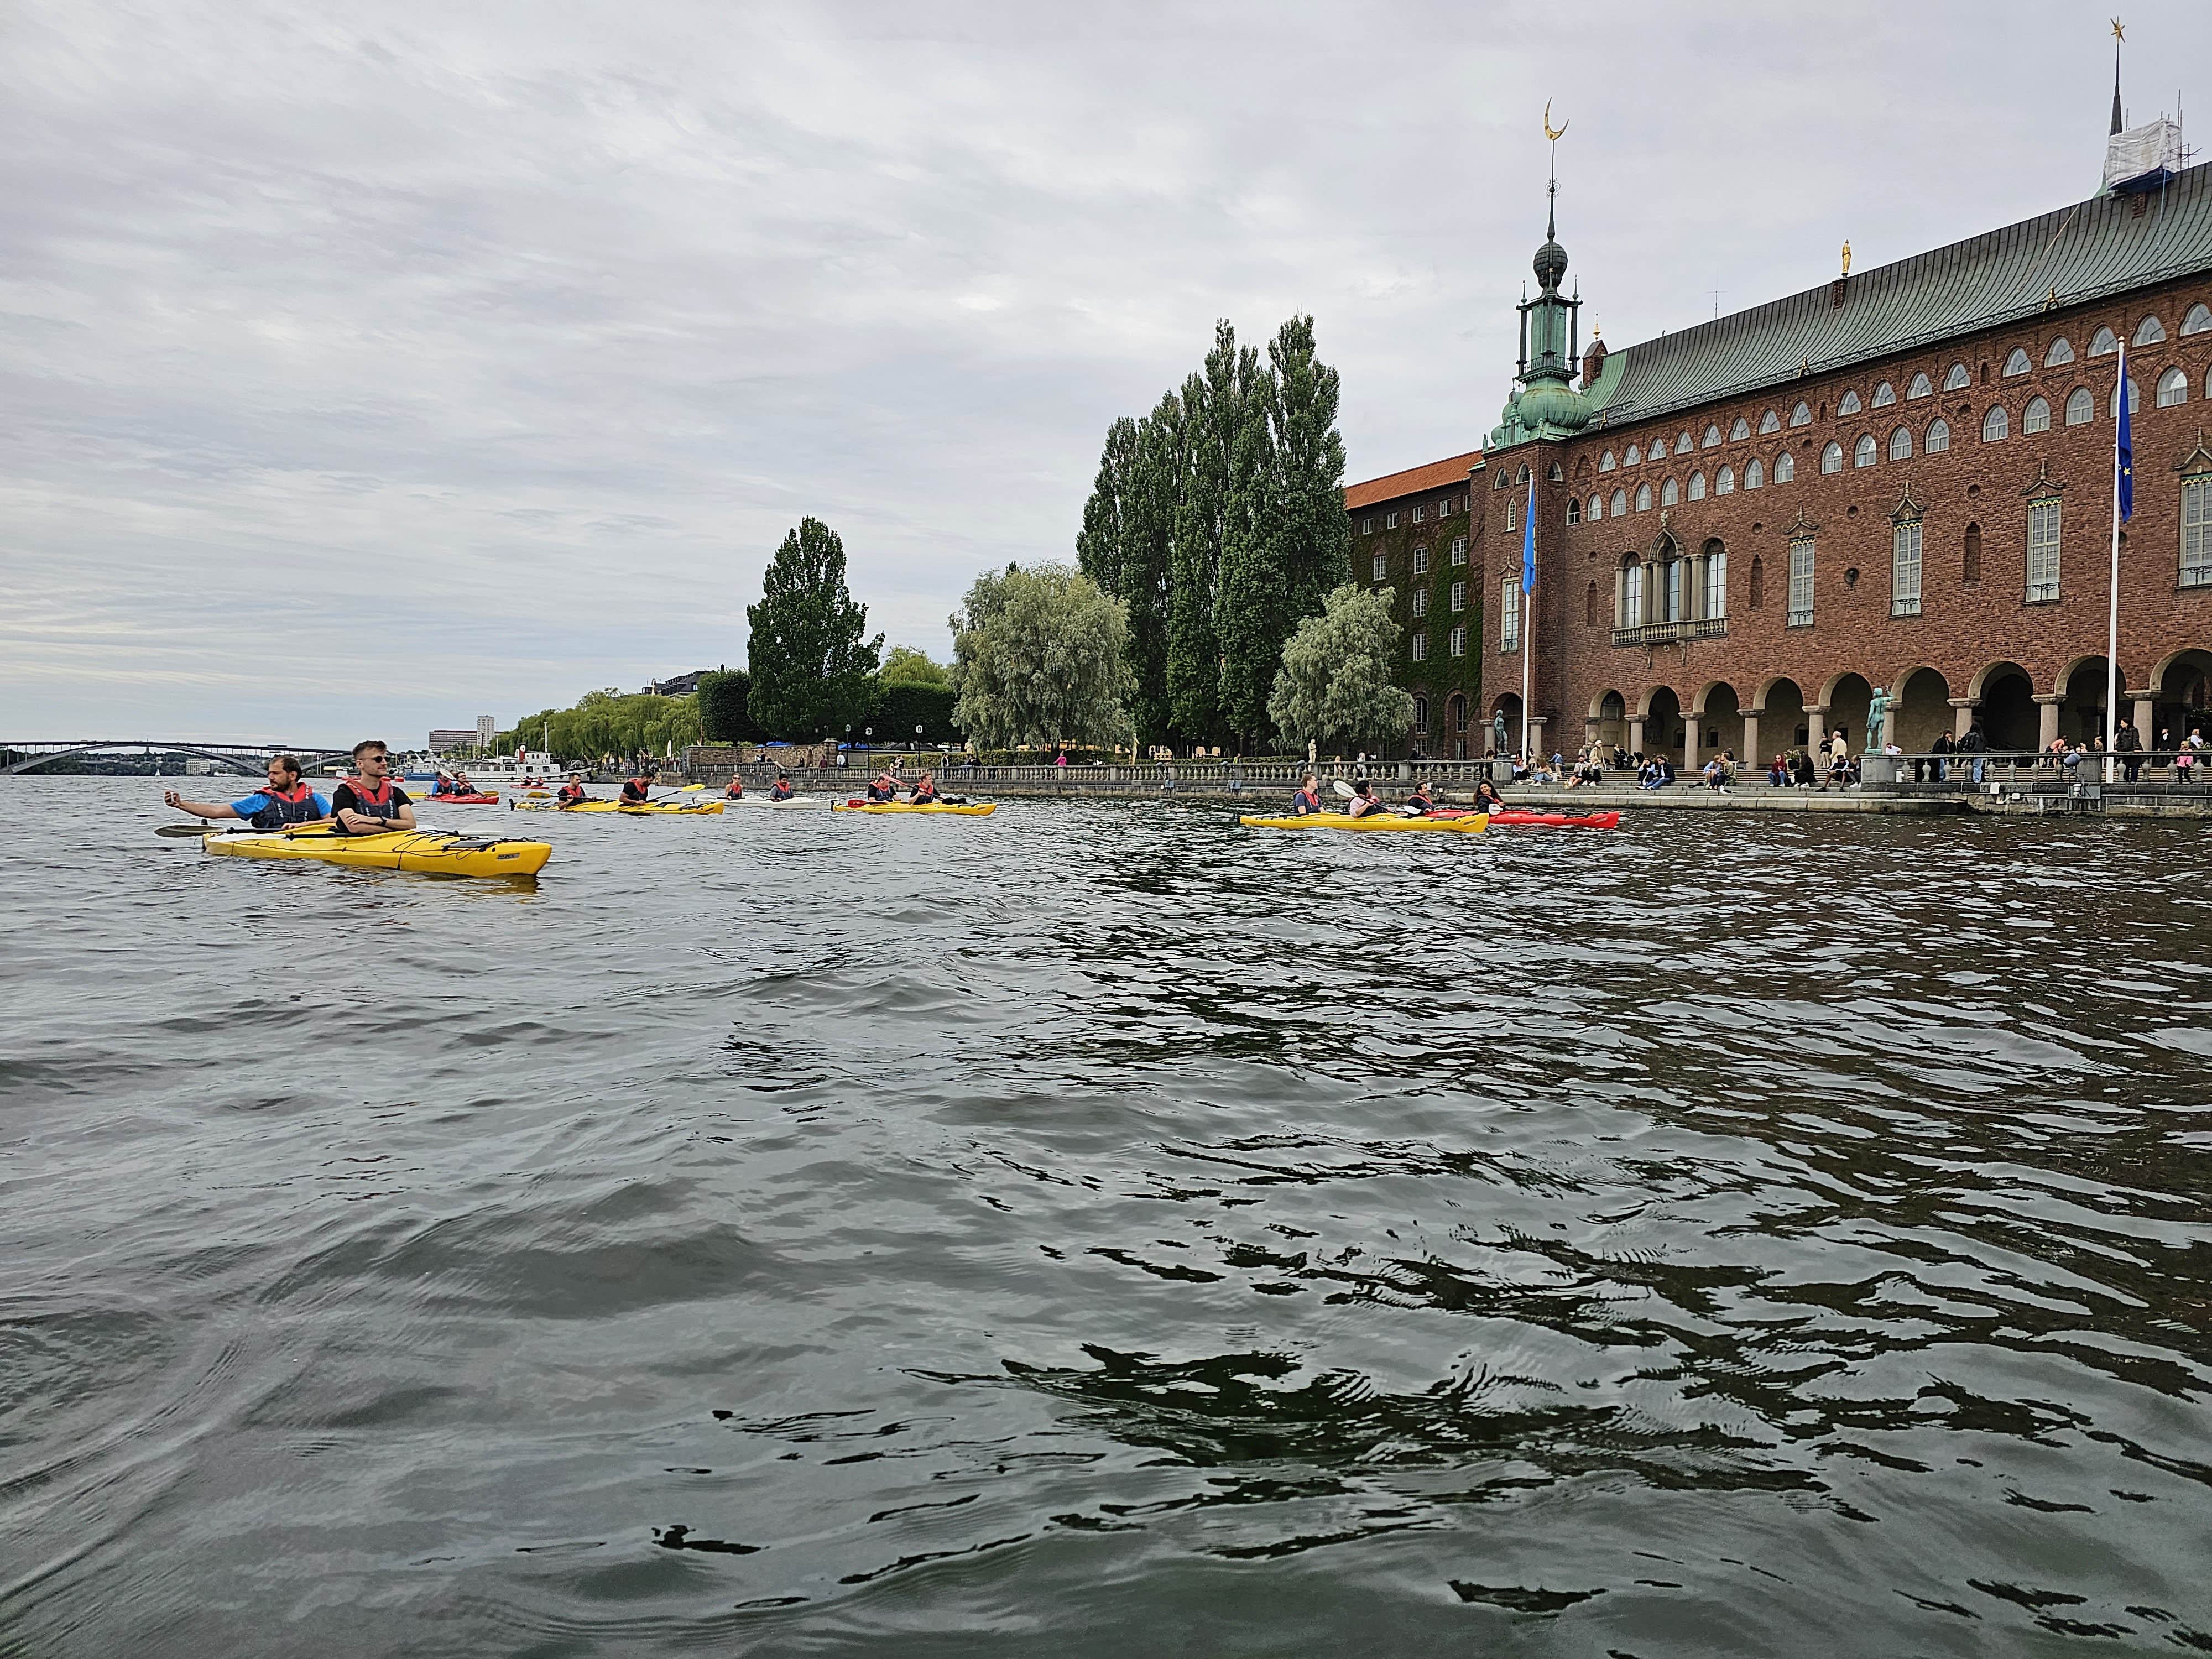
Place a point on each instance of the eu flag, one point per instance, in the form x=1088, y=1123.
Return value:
x=2126, y=451
x=1528, y=538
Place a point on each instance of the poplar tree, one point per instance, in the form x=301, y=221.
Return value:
x=811, y=669
x=1315, y=534
x=1251, y=618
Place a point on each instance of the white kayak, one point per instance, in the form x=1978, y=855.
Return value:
x=763, y=800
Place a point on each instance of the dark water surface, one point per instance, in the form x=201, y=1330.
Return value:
x=1103, y=1230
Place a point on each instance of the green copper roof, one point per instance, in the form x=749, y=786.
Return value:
x=2081, y=254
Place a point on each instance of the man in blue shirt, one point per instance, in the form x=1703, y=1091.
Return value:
x=283, y=800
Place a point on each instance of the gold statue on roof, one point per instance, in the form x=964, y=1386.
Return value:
x=1847, y=257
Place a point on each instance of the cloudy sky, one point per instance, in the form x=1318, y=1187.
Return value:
x=371, y=367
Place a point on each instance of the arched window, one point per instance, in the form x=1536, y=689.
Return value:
x=1754, y=474
x=1619, y=506
x=1683, y=444
x=2104, y=345
x=1420, y=714
x=1643, y=498
x=1831, y=457
x=1802, y=415
x=1669, y=493
x=1939, y=436
x=1724, y=483
x=2198, y=320
x=1865, y=451
x=1635, y=453
x=2036, y=418
x=1553, y=475
x=1596, y=508
x=1769, y=422
x=2017, y=363
x=1631, y=594
x=1970, y=566
x=1956, y=379
x=2062, y=351
x=1574, y=509
x=1740, y=431
x=1884, y=395
x=2150, y=330
x=1922, y=387
x=1785, y=468
x=1697, y=485
x=2173, y=388
x=1757, y=594
x=1713, y=435
x=2081, y=407
x=1605, y=462
x=1850, y=404
x=2135, y=399
x=1996, y=425
x=1900, y=444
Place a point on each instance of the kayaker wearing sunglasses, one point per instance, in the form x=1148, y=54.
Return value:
x=369, y=803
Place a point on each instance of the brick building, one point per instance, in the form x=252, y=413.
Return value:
x=1410, y=533
x=1902, y=479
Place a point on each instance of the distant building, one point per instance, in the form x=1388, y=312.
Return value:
x=445, y=743
x=1903, y=478
x=676, y=686
x=1409, y=534
x=487, y=731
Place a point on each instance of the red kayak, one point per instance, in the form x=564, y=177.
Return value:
x=465, y=800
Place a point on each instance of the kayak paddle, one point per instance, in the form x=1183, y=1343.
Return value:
x=181, y=831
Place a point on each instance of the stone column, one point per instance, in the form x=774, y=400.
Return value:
x=1751, y=756
x=1636, y=734
x=1691, y=720
x=2145, y=712
x=2046, y=707
x=1536, y=743
x=1816, y=726
x=1962, y=716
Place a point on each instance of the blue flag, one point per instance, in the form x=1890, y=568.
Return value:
x=2125, y=472
x=1528, y=539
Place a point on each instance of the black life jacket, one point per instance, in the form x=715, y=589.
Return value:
x=298, y=807
x=636, y=791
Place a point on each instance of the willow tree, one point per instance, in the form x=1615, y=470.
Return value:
x=1038, y=659
x=1334, y=685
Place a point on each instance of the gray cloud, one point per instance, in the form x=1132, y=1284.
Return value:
x=368, y=368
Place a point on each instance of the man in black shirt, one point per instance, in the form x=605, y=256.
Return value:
x=369, y=803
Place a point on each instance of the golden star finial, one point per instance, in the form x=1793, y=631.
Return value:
x=2119, y=33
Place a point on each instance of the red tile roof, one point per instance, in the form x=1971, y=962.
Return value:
x=1436, y=475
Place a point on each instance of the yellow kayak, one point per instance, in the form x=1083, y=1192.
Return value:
x=706, y=808
x=436, y=852
x=983, y=812
x=1473, y=823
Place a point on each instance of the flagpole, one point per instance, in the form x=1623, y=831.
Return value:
x=2113, y=626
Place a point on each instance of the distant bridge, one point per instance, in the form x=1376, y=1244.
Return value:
x=249, y=757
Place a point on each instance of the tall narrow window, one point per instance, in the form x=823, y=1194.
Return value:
x=1419, y=513
x=1459, y=596
x=1673, y=569
x=1996, y=425
x=1724, y=481
x=1939, y=436
x=1509, y=613
x=1863, y=452
x=1758, y=595
x=1459, y=549
x=1643, y=498
x=1389, y=521
x=1970, y=565
x=1459, y=641
x=2197, y=531
x=1801, y=582
x=1905, y=569
x=1619, y=506
x=1420, y=602
x=2042, y=551
x=1669, y=493
x=1754, y=476
x=1785, y=467
x=1382, y=566
x=1421, y=647
x=1900, y=444
x=1697, y=486
x=1831, y=457
x=1716, y=582
x=1367, y=527
x=1420, y=562
x=1589, y=606
x=1596, y=508
x=1574, y=509
x=2036, y=418
x=1420, y=714
x=2081, y=407
x=1631, y=595
x=1511, y=502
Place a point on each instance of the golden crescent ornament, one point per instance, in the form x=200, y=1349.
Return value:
x=1548, y=133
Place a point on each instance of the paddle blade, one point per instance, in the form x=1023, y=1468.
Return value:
x=180, y=832
x=1345, y=789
